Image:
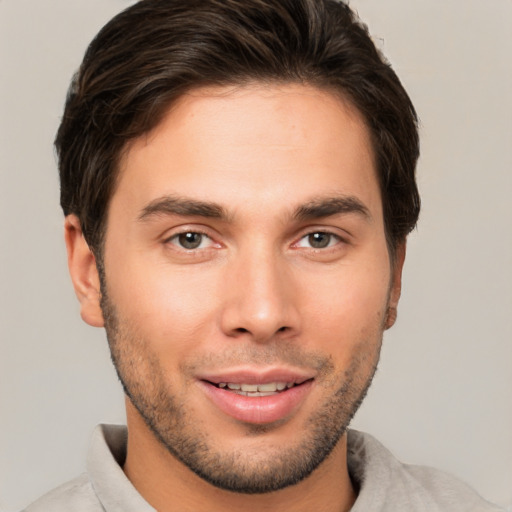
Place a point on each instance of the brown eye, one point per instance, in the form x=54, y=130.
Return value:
x=190, y=240
x=320, y=240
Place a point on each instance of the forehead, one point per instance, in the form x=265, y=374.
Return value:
x=251, y=146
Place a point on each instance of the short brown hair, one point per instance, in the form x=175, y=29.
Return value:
x=156, y=50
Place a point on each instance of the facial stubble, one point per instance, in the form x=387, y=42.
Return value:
x=243, y=471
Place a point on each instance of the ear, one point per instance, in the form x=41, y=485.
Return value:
x=83, y=271
x=396, y=285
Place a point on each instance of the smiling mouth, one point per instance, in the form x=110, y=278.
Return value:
x=256, y=390
x=249, y=397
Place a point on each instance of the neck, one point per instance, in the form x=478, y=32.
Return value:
x=168, y=485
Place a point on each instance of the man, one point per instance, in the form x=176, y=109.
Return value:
x=238, y=183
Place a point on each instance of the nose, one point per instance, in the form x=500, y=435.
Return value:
x=261, y=302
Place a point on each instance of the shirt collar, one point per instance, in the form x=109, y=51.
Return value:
x=105, y=460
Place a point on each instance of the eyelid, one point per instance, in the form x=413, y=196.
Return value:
x=181, y=230
x=337, y=241
x=341, y=234
x=174, y=240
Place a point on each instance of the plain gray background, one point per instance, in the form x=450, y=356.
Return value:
x=443, y=393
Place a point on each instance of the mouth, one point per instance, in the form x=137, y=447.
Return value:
x=257, y=398
x=255, y=390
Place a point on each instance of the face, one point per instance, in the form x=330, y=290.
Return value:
x=246, y=280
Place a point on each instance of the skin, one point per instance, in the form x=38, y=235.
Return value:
x=256, y=294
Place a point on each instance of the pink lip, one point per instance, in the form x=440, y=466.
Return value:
x=251, y=376
x=261, y=409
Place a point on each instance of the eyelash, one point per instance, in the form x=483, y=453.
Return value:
x=332, y=237
x=189, y=232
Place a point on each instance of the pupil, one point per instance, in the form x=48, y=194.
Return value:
x=319, y=240
x=190, y=240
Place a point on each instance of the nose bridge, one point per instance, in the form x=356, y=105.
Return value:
x=260, y=296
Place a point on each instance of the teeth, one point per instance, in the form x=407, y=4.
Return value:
x=249, y=387
x=271, y=386
x=257, y=389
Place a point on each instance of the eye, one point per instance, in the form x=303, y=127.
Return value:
x=191, y=240
x=318, y=240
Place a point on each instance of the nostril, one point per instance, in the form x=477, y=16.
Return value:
x=243, y=330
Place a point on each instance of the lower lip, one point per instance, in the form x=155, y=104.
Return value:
x=258, y=409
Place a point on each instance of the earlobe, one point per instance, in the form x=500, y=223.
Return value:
x=83, y=271
x=396, y=285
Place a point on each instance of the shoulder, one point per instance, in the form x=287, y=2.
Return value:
x=443, y=490
x=74, y=496
x=397, y=487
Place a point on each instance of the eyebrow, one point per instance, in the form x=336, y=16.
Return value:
x=326, y=207
x=170, y=205
x=315, y=209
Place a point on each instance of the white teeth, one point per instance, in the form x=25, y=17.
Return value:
x=250, y=387
x=271, y=386
x=258, y=389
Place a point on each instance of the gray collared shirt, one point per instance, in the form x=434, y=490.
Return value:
x=384, y=484
x=105, y=487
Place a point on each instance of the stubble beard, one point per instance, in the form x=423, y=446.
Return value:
x=241, y=471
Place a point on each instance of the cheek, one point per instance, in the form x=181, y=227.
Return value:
x=173, y=311
x=348, y=308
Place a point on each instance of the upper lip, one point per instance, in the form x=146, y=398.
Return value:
x=258, y=376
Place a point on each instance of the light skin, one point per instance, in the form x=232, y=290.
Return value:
x=285, y=273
